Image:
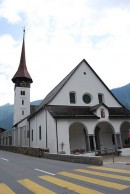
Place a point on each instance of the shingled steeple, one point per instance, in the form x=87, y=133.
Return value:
x=22, y=73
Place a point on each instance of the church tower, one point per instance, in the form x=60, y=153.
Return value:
x=22, y=81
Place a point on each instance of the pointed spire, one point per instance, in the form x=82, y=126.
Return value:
x=22, y=71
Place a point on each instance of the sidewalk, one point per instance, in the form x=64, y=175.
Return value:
x=117, y=159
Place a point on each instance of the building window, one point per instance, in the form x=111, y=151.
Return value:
x=40, y=133
x=32, y=134
x=22, y=112
x=100, y=98
x=22, y=93
x=22, y=102
x=72, y=97
x=87, y=98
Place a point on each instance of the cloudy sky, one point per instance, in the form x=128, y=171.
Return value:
x=59, y=34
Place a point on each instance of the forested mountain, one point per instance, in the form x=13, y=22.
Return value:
x=6, y=114
x=6, y=111
x=123, y=95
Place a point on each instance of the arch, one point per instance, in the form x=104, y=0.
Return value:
x=105, y=136
x=125, y=126
x=78, y=136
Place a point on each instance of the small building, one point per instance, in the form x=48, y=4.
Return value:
x=5, y=137
x=1, y=130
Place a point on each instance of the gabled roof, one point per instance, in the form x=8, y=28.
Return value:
x=22, y=71
x=80, y=112
x=93, y=108
x=119, y=112
x=56, y=90
x=69, y=112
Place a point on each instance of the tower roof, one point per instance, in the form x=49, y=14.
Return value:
x=22, y=71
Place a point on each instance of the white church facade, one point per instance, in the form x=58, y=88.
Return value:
x=79, y=113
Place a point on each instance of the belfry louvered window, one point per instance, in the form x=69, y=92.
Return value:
x=22, y=93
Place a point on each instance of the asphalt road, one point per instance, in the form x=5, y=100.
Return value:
x=22, y=174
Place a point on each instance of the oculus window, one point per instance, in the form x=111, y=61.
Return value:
x=87, y=98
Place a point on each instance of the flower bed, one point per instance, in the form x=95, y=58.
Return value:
x=78, y=151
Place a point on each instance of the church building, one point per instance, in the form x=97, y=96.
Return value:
x=79, y=113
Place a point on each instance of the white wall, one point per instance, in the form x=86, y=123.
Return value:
x=63, y=135
x=51, y=134
x=21, y=134
x=35, y=122
x=41, y=121
x=82, y=84
x=45, y=120
x=18, y=107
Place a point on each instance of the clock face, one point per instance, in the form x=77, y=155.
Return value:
x=23, y=83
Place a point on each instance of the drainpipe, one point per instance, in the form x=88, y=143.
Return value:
x=120, y=141
x=29, y=132
x=88, y=141
x=115, y=141
x=46, y=126
x=57, y=137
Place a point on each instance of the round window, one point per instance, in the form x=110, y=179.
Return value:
x=87, y=98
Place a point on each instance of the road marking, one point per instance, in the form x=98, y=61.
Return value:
x=68, y=185
x=34, y=187
x=4, y=159
x=4, y=189
x=124, y=178
x=45, y=172
x=110, y=169
x=95, y=181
